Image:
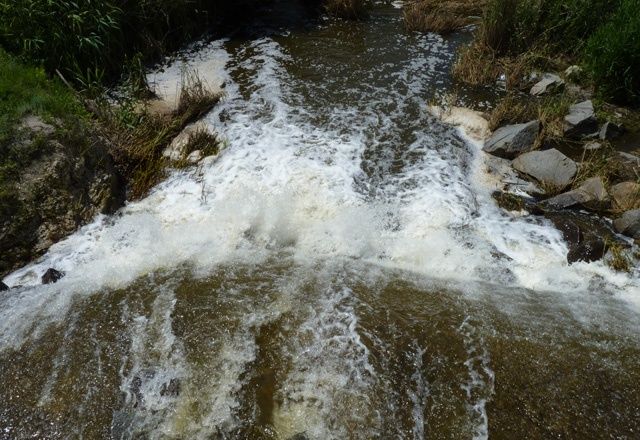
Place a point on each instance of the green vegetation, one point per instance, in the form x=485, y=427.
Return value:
x=91, y=40
x=516, y=36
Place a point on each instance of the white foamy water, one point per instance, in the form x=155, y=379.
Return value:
x=317, y=172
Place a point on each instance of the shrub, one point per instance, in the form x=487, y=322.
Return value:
x=612, y=55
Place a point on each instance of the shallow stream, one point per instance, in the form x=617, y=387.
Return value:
x=340, y=271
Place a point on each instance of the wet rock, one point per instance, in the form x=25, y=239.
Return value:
x=626, y=195
x=591, y=248
x=587, y=236
x=3, y=287
x=51, y=276
x=172, y=389
x=509, y=201
x=550, y=83
x=581, y=120
x=590, y=195
x=512, y=140
x=550, y=167
x=176, y=150
x=194, y=157
x=610, y=130
x=629, y=224
x=300, y=436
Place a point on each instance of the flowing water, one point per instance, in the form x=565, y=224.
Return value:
x=340, y=271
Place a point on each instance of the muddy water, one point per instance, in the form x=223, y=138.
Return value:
x=339, y=271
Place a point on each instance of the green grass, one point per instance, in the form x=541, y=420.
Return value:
x=90, y=41
x=519, y=35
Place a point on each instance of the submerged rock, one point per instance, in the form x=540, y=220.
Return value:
x=587, y=237
x=512, y=140
x=549, y=83
x=550, y=167
x=626, y=195
x=629, y=224
x=581, y=120
x=590, y=195
x=172, y=389
x=610, y=131
x=51, y=276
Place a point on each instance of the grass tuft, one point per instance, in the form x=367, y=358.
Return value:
x=442, y=17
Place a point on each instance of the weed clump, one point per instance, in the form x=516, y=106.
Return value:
x=441, y=16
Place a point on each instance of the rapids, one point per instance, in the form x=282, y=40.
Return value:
x=340, y=270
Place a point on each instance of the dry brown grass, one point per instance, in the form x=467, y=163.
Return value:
x=350, y=9
x=619, y=261
x=512, y=109
x=441, y=16
x=603, y=163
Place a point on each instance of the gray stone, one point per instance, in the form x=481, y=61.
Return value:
x=626, y=195
x=512, y=140
x=591, y=195
x=37, y=125
x=610, y=131
x=51, y=276
x=581, y=120
x=549, y=83
x=629, y=223
x=550, y=167
x=592, y=145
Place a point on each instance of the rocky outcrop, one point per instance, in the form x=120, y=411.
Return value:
x=629, y=224
x=548, y=84
x=51, y=276
x=626, y=196
x=512, y=140
x=590, y=195
x=581, y=120
x=65, y=181
x=549, y=167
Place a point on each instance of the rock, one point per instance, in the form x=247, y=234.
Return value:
x=171, y=389
x=3, y=287
x=550, y=167
x=299, y=436
x=587, y=237
x=51, y=276
x=512, y=140
x=573, y=72
x=591, y=248
x=591, y=195
x=194, y=157
x=581, y=120
x=66, y=181
x=549, y=83
x=592, y=146
x=629, y=224
x=176, y=150
x=610, y=131
x=626, y=195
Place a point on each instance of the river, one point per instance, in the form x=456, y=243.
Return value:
x=340, y=271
